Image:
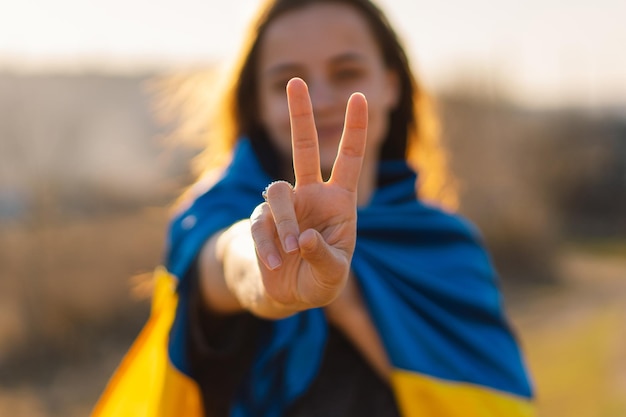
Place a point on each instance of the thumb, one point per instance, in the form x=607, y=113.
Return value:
x=330, y=264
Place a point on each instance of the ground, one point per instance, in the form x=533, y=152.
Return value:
x=75, y=299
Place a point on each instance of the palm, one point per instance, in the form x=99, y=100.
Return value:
x=331, y=213
x=320, y=215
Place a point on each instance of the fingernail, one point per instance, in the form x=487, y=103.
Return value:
x=273, y=261
x=291, y=243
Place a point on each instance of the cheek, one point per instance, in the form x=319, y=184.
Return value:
x=378, y=126
x=275, y=120
x=382, y=101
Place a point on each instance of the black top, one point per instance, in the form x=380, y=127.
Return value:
x=221, y=349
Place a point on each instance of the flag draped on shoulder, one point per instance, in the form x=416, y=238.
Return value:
x=146, y=384
x=426, y=279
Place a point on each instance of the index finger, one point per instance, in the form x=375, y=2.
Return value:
x=306, y=156
x=347, y=167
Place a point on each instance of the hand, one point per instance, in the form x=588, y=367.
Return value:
x=305, y=236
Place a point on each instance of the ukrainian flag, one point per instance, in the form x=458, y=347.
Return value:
x=427, y=281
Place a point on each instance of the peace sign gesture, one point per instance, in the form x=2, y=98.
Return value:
x=305, y=236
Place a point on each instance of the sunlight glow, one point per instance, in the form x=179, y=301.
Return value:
x=552, y=52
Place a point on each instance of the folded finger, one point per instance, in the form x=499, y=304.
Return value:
x=263, y=234
x=347, y=167
x=279, y=196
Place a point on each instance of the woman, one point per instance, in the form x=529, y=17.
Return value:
x=281, y=310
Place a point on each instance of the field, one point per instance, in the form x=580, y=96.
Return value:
x=86, y=180
x=574, y=337
x=65, y=326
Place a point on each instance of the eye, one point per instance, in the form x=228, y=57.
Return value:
x=347, y=74
x=279, y=85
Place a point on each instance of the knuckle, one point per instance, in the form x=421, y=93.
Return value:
x=260, y=227
x=257, y=229
x=286, y=224
x=352, y=149
x=259, y=214
x=306, y=142
x=264, y=245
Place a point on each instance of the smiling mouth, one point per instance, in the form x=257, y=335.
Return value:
x=330, y=134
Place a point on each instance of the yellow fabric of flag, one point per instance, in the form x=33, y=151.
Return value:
x=420, y=395
x=146, y=384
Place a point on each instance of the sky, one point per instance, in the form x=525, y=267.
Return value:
x=541, y=52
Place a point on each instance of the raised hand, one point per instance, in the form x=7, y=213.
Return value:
x=305, y=236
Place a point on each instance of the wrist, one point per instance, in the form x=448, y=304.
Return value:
x=236, y=254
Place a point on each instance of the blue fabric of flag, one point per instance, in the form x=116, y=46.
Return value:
x=427, y=280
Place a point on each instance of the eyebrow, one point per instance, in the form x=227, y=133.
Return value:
x=295, y=67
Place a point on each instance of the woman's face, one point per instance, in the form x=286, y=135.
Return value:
x=331, y=47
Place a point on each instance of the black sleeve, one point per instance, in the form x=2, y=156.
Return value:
x=220, y=349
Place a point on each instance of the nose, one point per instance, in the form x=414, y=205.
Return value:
x=323, y=95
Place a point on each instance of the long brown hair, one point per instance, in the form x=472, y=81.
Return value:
x=413, y=127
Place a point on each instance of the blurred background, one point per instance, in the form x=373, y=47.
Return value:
x=533, y=104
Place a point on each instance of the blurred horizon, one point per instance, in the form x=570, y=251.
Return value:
x=100, y=103
x=542, y=54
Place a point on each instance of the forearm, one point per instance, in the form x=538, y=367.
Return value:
x=230, y=278
x=231, y=281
